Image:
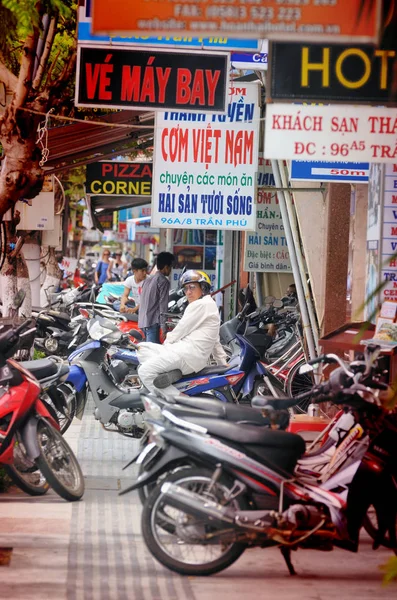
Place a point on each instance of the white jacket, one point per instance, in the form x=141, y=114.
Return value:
x=196, y=336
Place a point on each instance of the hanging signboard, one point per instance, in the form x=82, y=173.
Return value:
x=332, y=20
x=389, y=238
x=308, y=170
x=85, y=36
x=331, y=133
x=119, y=178
x=330, y=73
x=120, y=77
x=266, y=249
x=205, y=165
x=250, y=62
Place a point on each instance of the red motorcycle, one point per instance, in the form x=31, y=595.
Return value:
x=31, y=446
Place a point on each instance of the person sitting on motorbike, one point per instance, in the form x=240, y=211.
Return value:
x=188, y=347
x=291, y=297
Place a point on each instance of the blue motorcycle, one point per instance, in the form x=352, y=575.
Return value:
x=119, y=408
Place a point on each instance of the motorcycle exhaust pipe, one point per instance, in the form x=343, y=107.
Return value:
x=195, y=505
x=218, y=515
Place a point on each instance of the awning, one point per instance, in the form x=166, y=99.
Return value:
x=78, y=144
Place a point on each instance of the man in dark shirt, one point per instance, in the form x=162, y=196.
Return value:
x=154, y=298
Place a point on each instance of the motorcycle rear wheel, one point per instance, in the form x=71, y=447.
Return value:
x=156, y=534
x=58, y=463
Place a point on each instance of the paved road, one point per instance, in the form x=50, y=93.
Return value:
x=93, y=550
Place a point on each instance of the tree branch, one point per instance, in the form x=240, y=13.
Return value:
x=26, y=70
x=8, y=78
x=46, y=52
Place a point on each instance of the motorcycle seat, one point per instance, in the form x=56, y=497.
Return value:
x=130, y=400
x=203, y=408
x=279, y=449
x=59, y=315
x=42, y=368
x=211, y=370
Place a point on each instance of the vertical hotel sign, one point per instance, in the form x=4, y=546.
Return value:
x=205, y=165
x=389, y=241
x=321, y=20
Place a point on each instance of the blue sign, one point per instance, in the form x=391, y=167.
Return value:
x=347, y=172
x=250, y=62
x=219, y=43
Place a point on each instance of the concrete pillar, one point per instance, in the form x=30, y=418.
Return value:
x=359, y=252
x=336, y=256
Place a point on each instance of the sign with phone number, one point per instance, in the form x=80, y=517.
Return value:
x=328, y=133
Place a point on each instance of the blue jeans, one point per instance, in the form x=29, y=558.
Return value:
x=152, y=334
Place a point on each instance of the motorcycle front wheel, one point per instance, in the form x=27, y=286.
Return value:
x=182, y=542
x=70, y=406
x=25, y=474
x=58, y=463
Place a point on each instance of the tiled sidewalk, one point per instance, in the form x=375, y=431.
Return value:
x=93, y=549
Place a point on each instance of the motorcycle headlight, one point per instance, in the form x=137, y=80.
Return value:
x=51, y=344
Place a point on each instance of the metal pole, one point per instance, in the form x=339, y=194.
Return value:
x=169, y=240
x=294, y=263
x=295, y=234
x=258, y=285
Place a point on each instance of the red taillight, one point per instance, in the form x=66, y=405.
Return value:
x=233, y=379
x=84, y=313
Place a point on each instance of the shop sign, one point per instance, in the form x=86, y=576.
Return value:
x=205, y=165
x=266, y=249
x=250, y=62
x=85, y=36
x=331, y=133
x=389, y=239
x=120, y=77
x=330, y=73
x=325, y=20
x=116, y=178
x=343, y=172
x=69, y=266
x=106, y=221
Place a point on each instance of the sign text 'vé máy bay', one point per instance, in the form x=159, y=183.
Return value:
x=112, y=77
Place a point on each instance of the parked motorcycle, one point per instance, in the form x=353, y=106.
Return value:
x=241, y=491
x=30, y=440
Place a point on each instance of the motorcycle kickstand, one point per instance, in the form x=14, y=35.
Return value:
x=286, y=552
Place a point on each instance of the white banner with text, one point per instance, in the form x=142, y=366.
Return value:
x=338, y=132
x=205, y=165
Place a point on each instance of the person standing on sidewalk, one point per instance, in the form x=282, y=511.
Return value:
x=154, y=298
x=133, y=286
x=102, y=271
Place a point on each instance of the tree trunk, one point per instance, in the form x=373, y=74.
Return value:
x=21, y=175
x=31, y=251
x=23, y=283
x=8, y=274
x=53, y=277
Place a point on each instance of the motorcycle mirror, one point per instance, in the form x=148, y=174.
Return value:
x=278, y=304
x=18, y=299
x=305, y=369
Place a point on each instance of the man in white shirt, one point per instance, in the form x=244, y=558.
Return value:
x=195, y=338
x=133, y=286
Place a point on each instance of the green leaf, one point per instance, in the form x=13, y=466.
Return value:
x=390, y=570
